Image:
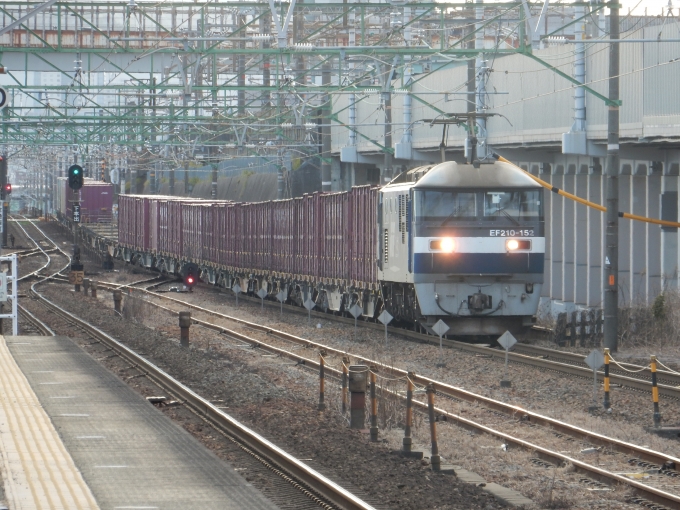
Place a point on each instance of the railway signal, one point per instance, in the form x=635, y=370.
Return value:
x=75, y=177
x=190, y=275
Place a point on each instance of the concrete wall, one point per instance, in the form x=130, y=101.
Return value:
x=648, y=255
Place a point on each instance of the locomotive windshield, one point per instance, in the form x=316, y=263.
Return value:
x=517, y=205
x=488, y=205
x=443, y=205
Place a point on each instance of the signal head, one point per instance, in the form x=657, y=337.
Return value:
x=190, y=273
x=75, y=177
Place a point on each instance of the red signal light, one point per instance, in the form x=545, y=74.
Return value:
x=190, y=280
x=7, y=188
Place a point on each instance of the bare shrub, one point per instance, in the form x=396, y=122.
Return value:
x=656, y=325
x=391, y=410
x=135, y=309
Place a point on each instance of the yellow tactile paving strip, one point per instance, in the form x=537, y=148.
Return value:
x=37, y=471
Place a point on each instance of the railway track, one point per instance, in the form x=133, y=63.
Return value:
x=313, y=486
x=540, y=357
x=629, y=454
x=543, y=358
x=664, y=465
x=630, y=370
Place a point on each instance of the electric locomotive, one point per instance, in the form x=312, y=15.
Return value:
x=463, y=243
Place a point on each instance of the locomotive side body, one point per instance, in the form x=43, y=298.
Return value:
x=462, y=244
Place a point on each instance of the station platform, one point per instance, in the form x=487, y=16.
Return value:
x=74, y=436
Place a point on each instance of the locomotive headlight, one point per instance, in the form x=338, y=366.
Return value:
x=446, y=244
x=517, y=244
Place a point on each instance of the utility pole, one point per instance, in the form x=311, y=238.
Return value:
x=387, y=105
x=186, y=177
x=171, y=180
x=611, y=263
x=471, y=141
x=482, y=74
x=5, y=210
x=279, y=175
x=326, y=129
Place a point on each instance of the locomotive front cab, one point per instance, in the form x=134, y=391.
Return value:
x=477, y=247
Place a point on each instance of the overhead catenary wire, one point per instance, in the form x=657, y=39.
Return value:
x=585, y=202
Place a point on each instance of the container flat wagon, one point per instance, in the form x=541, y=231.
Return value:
x=320, y=246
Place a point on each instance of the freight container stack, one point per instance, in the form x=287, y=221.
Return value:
x=321, y=237
x=96, y=200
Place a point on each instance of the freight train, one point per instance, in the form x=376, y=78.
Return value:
x=460, y=243
x=95, y=198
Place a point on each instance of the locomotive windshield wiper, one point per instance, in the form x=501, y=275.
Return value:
x=505, y=213
x=455, y=213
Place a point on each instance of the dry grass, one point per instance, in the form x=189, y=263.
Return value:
x=657, y=325
x=136, y=309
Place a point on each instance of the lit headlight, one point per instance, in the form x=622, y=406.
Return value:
x=517, y=244
x=447, y=245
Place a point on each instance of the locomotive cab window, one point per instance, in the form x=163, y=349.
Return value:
x=445, y=206
x=514, y=206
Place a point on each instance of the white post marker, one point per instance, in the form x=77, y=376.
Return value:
x=237, y=290
x=440, y=328
x=262, y=294
x=281, y=296
x=309, y=304
x=356, y=310
x=5, y=279
x=594, y=360
x=385, y=318
x=506, y=341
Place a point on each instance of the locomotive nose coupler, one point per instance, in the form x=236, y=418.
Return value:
x=479, y=302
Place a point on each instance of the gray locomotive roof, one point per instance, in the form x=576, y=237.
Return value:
x=452, y=175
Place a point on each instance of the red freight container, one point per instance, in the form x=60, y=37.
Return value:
x=362, y=233
x=308, y=263
x=332, y=249
x=142, y=223
x=175, y=223
x=156, y=227
x=317, y=236
x=283, y=236
x=255, y=232
x=234, y=236
x=96, y=201
x=211, y=223
x=125, y=210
